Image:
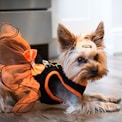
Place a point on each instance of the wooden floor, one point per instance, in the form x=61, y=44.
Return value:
x=109, y=85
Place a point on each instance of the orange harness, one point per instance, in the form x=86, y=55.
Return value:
x=48, y=79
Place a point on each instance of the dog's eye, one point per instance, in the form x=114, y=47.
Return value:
x=96, y=57
x=81, y=60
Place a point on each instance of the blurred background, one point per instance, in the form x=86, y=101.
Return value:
x=38, y=20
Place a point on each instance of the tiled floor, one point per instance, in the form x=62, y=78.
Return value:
x=109, y=85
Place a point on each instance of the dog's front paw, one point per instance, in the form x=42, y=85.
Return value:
x=109, y=107
x=114, y=100
x=113, y=108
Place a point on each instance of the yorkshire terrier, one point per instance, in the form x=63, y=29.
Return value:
x=82, y=59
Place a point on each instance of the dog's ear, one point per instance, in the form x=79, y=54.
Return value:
x=98, y=35
x=65, y=37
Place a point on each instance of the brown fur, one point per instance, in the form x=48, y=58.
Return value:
x=83, y=59
x=69, y=43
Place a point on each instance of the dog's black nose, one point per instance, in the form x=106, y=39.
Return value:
x=94, y=70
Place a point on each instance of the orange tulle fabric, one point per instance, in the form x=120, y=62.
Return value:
x=17, y=68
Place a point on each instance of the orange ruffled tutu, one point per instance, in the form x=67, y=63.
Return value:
x=17, y=68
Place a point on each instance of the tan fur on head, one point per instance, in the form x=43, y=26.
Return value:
x=82, y=55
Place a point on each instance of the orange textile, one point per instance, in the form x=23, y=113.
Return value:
x=9, y=31
x=16, y=70
x=30, y=55
x=18, y=79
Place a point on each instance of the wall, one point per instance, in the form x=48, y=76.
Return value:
x=85, y=15
x=117, y=25
x=77, y=16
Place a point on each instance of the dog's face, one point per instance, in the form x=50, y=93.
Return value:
x=82, y=57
